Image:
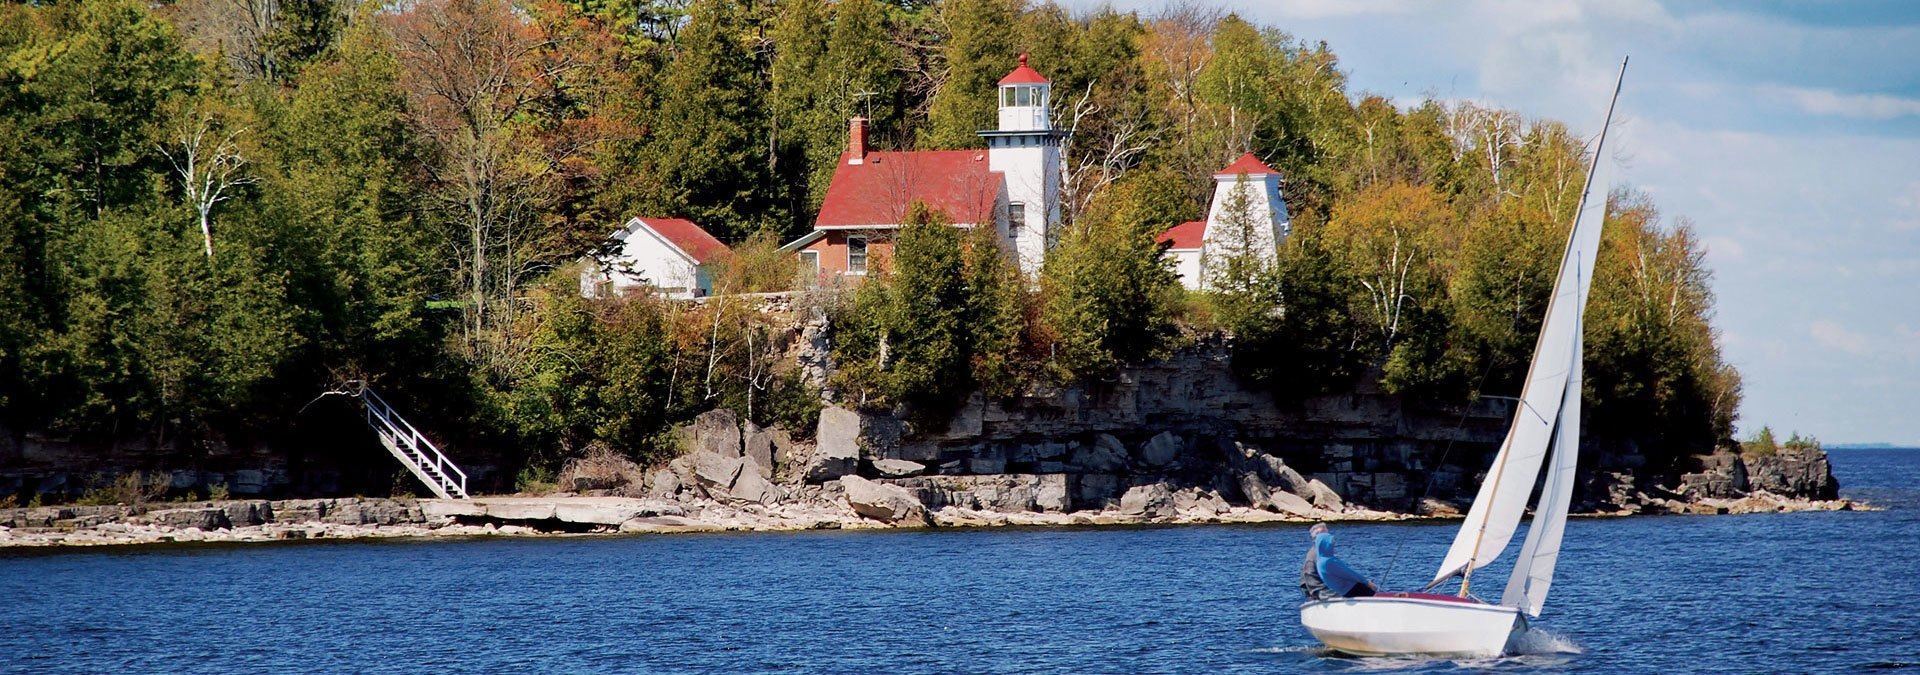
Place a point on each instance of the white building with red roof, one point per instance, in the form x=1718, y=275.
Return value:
x=1012, y=185
x=669, y=256
x=1258, y=185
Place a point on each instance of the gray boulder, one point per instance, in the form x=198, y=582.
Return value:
x=1282, y=476
x=662, y=483
x=1255, y=489
x=898, y=468
x=836, y=449
x=1322, y=496
x=715, y=473
x=1291, y=504
x=885, y=503
x=205, y=518
x=1105, y=455
x=750, y=486
x=1722, y=475
x=714, y=431
x=1153, y=501
x=249, y=513
x=1052, y=495
x=361, y=511
x=760, y=445
x=300, y=510
x=1793, y=472
x=1162, y=450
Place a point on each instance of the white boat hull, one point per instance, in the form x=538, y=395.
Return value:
x=1405, y=624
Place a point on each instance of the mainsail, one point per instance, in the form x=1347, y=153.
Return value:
x=1551, y=390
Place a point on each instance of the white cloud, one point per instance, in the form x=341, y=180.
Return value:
x=1832, y=335
x=1840, y=104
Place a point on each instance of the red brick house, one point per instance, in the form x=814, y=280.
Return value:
x=1012, y=185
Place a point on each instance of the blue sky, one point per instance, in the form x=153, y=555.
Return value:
x=1788, y=133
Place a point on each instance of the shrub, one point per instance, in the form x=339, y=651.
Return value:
x=134, y=489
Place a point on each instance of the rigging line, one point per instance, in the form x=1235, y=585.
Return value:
x=1444, y=451
x=1523, y=402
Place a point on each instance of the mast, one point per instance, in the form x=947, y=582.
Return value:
x=1524, y=436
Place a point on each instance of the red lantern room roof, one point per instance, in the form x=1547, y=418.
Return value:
x=1247, y=164
x=1023, y=75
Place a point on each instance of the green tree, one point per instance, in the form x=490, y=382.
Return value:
x=1506, y=269
x=823, y=78
x=903, y=339
x=1396, y=240
x=978, y=49
x=711, y=127
x=996, y=314
x=1110, y=293
x=1314, y=344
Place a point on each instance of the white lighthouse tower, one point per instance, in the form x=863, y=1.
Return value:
x=1026, y=150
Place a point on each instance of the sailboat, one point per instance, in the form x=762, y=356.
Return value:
x=1545, y=430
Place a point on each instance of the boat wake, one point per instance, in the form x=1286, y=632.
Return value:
x=1536, y=642
x=1533, y=649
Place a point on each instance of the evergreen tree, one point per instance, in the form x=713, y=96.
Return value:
x=903, y=340
x=711, y=127
x=1313, y=344
x=978, y=49
x=1238, y=267
x=996, y=314
x=1110, y=292
x=802, y=124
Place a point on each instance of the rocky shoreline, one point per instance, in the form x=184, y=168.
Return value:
x=869, y=506
x=861, y=471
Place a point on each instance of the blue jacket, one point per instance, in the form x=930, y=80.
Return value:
x=1334, y=572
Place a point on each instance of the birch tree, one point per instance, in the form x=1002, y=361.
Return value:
x=206, y=155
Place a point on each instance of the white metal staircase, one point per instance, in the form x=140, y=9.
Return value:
x=413, y=449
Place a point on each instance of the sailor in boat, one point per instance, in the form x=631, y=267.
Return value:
x=1324, y=576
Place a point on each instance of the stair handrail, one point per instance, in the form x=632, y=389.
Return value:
x=378, y=408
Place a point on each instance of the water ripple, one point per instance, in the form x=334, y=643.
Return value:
x=1784, y=593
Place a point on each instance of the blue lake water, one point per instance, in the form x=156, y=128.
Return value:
x=1815, y=592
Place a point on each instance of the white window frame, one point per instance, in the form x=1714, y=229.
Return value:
x=810, y=261
x=865, y=242
x=1016, y=220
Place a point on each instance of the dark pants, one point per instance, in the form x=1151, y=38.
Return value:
x=1360, y=591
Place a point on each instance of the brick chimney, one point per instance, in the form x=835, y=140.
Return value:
x=857, y=140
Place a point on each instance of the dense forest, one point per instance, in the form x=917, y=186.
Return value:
x=211, y=210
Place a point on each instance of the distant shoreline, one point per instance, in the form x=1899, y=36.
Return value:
x=359, y=519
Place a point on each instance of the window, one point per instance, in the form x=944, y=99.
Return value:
x=810, y=264
x=1023, y=95
x=1016, y=219
x=1006, y=97
x=856, y=255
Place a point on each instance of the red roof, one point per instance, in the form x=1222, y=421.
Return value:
x=1023, y=75
x=1187, y=235
x=878, y=190
x=692, y=240
x=1247, y=164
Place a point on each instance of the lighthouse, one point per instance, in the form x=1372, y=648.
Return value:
x=1025, y=149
